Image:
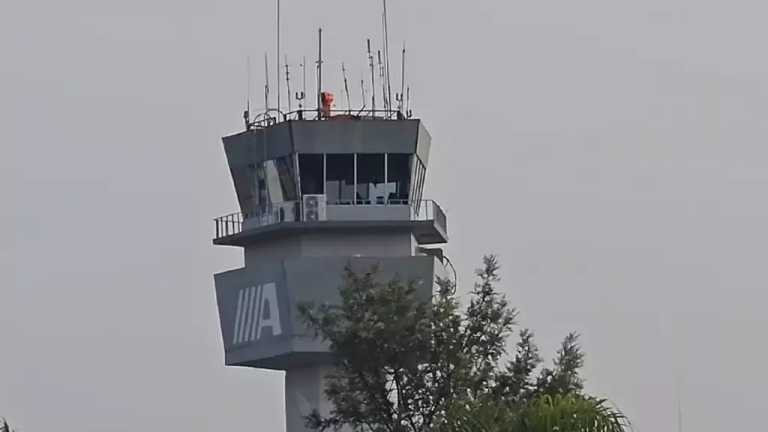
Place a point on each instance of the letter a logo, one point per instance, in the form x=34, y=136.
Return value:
x=257, y=309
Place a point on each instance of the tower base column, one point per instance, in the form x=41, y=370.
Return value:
x=304, y=393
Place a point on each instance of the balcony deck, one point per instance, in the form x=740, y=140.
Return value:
x=426, y=222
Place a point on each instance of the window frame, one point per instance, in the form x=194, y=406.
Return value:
x=339, y=200
x=416, y=172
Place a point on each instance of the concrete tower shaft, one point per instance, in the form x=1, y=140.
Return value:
x=316, y=196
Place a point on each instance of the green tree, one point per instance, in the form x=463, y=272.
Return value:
x=563, y=413
x=569, y=412
x=406, y=364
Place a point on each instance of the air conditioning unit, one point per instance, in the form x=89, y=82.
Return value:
x=314, y=208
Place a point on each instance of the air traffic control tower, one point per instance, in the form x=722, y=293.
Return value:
x=318, y=192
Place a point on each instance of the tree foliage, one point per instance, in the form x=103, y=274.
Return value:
x=563, y=412
x=406, y=364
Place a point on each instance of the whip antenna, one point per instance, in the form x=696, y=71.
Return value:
x=303, y=93
x=402, y=81
x=319, y=70
x=346, y=86
x=266, y=83
x=277, y=58
x=304, y=77
x=362, y=91
x=386, y=57
x=383, y=83
x=409, y=113
x=288, y=82
x=247, y=112
x=373, y=79
x=248, y=96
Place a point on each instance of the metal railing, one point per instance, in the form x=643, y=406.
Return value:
x=228, y=225
x=274, y=116
x=379, y=201
x=234, y=223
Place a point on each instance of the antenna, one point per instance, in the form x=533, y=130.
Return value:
x=402, y=81
x=386, y=56
x=346, y=86
x=288, y=83
x=248, y=96
x=304, y=77
x=373, y=79
x=383, y=83
x=277, y=59
x=362, y=91
x=319, y=69
x=247, y=112
x=679, y=406
x=266, y=83
x=409, y=113
x=303, y=93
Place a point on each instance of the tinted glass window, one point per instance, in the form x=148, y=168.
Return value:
x=311, y=173
x=258, y=191
x=280, y=180
x=340, y=178
x=371, y=188
x=418, y=187
x=398, y=178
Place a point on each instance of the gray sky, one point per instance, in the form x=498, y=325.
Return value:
x=612, y=153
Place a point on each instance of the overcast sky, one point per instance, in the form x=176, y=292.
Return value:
x=613, y=154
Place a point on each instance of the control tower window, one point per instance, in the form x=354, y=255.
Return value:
x=398, y=178
x=258, y=190
x=371, y=188
x=419, y=174
x=311, y=173
x=280, y=182
x=340, y=178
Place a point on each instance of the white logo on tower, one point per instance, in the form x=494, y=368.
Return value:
x=256, y=310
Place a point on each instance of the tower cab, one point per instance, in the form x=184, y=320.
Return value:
x=335, y=174
x=316, y=197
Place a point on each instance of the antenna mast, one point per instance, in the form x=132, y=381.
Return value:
x=362, y=90
x=304, y=78
x=679, y=407
x=248, y=96
x=319, y=69
x=247, y=112
x=373, y=79
x=410, y=97
x=408, y=102
x=266, y=83
x=346, y=86
x=288, y=83
x=277, y=58
x=303, y=93
x=386, y=57
x=402, y=83
x=383, y=83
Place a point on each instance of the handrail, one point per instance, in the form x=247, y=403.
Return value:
x=274, y=116
x=228, y=225
x=232, y=224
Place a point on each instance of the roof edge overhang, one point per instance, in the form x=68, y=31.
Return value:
x=425, y=232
